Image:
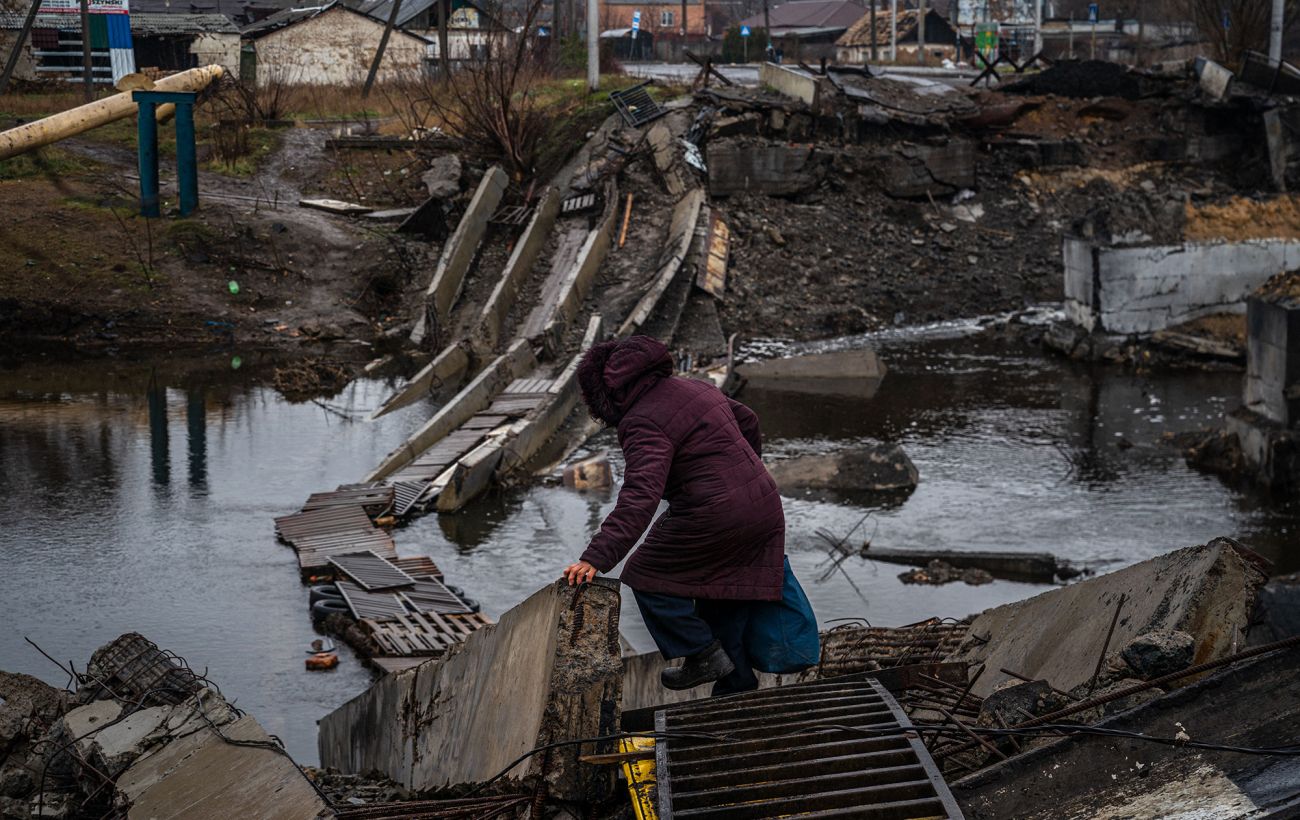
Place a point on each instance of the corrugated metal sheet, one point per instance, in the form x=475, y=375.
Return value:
x=371, y=572
x=419, y=566
x=370, y=604
x=429, y=595
x=828, y=748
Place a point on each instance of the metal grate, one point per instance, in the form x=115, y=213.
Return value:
x=418, y=566
x=636, y=105
x=429, y=595
x=371, y=604
x=421, y=633
x=375, y=500
x=405, y=495
x=578, y=204
x=829, y=748
x=371, y=572
x=511, y=215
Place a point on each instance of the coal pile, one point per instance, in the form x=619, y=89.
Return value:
x=1081, y=78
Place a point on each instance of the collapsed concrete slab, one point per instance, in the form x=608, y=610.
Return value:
x=1082, y=777
x=774, y=170
x=1142, y=289
x=930, y=170
x=1207, y=591
x=855, y=373
x=869, y=468
x=548, y=671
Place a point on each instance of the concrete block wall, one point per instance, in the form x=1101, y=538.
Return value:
x=1272, y=360
x=789, y=82
x=547, y=672
x=1142, y=289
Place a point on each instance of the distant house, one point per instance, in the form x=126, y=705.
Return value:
x=855, y=44
x=163, y=42
x=807, y=29
x=332, y=44
x=659, y=19
x=469, y=26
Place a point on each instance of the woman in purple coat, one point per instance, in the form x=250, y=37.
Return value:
x=720, y=545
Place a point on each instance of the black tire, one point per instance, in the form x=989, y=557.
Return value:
x=470, y=603
x=321, y=592
x=457, y=591
x=325, y=607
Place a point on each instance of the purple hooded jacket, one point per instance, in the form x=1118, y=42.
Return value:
x=723, y=535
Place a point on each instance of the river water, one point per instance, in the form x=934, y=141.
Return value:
x=138, y=495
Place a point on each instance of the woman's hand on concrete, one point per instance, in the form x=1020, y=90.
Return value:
x=579, y=573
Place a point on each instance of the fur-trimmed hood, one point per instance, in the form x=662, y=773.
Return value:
x=614, y=374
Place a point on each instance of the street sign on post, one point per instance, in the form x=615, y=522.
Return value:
x=744, y=32
x=636, y=22
x=1092, y=13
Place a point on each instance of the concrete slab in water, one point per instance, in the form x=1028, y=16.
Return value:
x=844, y=372
x=1207, y=591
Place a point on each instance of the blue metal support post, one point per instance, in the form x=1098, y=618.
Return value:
x=187, y=168
x=147, y=128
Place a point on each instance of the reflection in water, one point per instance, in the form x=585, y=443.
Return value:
x=159, y=457
x=1016, y=451
x=196, y=430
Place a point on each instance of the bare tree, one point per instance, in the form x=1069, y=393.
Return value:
x=490, y=103
x=1247, y=24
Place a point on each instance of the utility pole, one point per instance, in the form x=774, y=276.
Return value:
x=767, y=32
x=593, y=46
x=920, y=32
x=379, y=52
x=874, y=55
x=1038, y=27
x=444, y=59
x=1275, y=35
x=893, y=31
x=18, y=46
x=1071, y=35
x=88, y=74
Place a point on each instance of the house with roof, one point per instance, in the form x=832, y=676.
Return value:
x=854, y=46
x=470, y=26
x=163, y=42
x=330, y=45
x=807, y=29
x=659, y=20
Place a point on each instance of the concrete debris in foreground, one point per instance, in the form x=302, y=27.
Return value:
x=548, y=671
x=1081, y=777
x=166, y=745
x=1207, y=591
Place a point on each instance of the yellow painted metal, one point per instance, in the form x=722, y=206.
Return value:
x=92, y=115
x=640, y=776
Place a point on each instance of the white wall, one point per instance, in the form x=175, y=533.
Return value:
x=335, y=48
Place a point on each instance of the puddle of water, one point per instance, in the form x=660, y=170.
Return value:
x=131, y=508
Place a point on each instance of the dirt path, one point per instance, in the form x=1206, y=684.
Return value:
x=110, y=278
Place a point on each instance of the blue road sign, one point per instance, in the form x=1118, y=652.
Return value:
x=636, y=19
x=744, y=31
x=1092, y=12
x=1227, y=20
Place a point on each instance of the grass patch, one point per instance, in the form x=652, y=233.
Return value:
x=49, y=161
x=243, y=159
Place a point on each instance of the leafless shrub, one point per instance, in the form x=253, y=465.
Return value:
x=1249, y=22
x=490, y=102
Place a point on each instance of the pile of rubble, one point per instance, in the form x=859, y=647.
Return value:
x=141, y=736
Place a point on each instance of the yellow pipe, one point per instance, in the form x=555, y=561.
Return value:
x=92, y=115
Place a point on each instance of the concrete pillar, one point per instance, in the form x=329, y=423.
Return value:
x=1273, y=359
x=1275, y=31
x=549, y=671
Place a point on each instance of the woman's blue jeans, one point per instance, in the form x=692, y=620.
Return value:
x=682, y=626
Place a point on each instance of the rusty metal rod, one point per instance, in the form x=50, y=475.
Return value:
x=1092, y=684
x=981, y=741
x=1119, y=694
